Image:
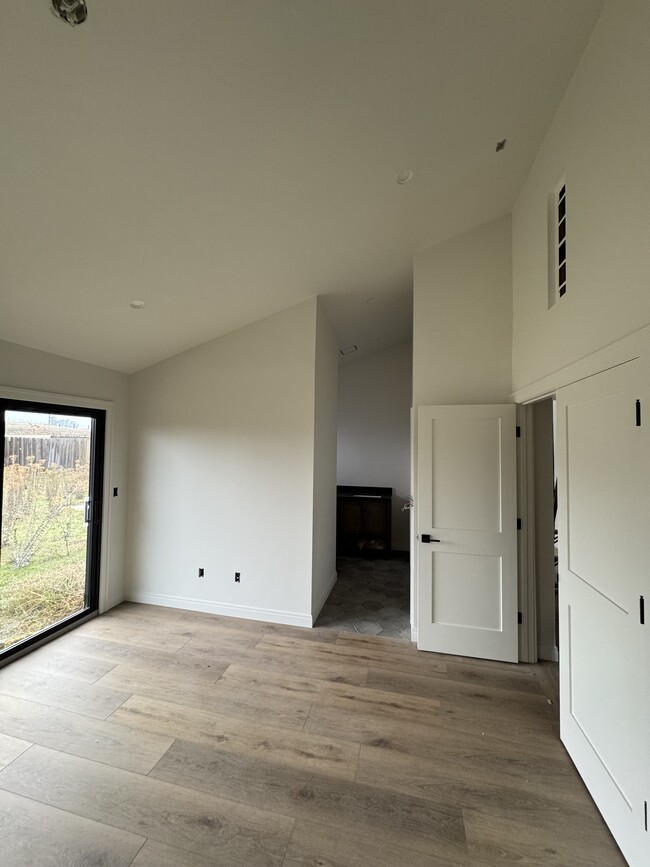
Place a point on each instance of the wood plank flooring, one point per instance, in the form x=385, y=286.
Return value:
x=161, y=738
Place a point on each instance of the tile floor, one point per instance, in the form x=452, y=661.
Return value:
x=371, y=597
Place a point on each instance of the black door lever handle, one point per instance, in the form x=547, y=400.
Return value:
x=425, y=537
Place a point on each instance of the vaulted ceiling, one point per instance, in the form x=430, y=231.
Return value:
x=224, y=159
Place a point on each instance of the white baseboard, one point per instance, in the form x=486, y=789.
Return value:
x=316, y=609
x=268, y=615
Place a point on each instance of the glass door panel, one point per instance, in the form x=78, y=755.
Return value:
x=50, y=519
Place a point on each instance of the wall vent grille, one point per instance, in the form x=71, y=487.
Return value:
x=561, y=240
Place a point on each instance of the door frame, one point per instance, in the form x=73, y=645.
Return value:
x=619, y=352
x=527, y=538
x=626, y=349
x=104, y=559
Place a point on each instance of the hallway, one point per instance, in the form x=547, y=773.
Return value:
x=371, y=597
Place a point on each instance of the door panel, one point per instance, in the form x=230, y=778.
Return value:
x=465, y=469
x=467, y=590
x=374, y=514
x=604, y=503
x=466, y=502
x=597, y=720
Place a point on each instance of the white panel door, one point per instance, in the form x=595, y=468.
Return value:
x=604, y=514
x=467, y=531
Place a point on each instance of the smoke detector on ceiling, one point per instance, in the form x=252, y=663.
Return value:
x=73, y=12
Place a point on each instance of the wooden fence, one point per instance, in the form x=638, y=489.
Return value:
x=61, y=451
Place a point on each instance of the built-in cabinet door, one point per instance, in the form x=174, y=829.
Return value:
x=604, y=512
x=467, y=531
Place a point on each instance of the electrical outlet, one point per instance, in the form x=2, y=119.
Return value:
x=201, y=571
x=237, y=577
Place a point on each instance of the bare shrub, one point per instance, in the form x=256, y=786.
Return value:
x=34, y=497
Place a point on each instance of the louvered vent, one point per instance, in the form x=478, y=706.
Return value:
x=561, y=241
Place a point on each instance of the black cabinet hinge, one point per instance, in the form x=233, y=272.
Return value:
x=518, y=431
x=519, y=523
x=520, y=618
x=642, y=610
x=638, y=413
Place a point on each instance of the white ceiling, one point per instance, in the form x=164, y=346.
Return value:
x=225, y=159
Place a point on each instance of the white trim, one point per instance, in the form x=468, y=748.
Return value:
x=269, y=615
x=414, y=550
x=414, y=634
x=9, y=393
x=526, y=536
x=619, y=352
x=316, y=609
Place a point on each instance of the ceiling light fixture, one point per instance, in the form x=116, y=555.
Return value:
x=348, y=350
x=73, y=12
x=501, y=144
x=137, y=305
x=404, y=177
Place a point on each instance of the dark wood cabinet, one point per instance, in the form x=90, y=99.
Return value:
x=363, y=523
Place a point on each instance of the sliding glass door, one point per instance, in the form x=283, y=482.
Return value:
x=51, y=503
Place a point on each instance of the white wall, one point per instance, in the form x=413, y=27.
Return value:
x=324, y=521
x=462, y=322
x=599, y=140
x=222, y=472
x=462, y=329
x=32, y=370
x=374, y=428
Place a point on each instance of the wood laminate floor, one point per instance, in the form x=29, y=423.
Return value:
x=155, y=737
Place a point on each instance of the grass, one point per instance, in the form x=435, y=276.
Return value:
x=51, y=587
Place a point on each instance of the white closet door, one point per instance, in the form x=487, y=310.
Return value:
x=604, y=524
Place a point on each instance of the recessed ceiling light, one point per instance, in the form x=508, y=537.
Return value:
x=348, y=350
x=501, y=144
x=137, y=305
x=405, y=176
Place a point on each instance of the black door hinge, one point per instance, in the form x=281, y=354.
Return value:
x=520, y=617
x=519, y=523
x=642, y=610
x=638, y=413
x=518, y=431
x=645, y=814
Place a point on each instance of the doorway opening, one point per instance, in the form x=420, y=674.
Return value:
x=50, y=517
x=538, y=539
x=372, y=594
x=546, y=530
